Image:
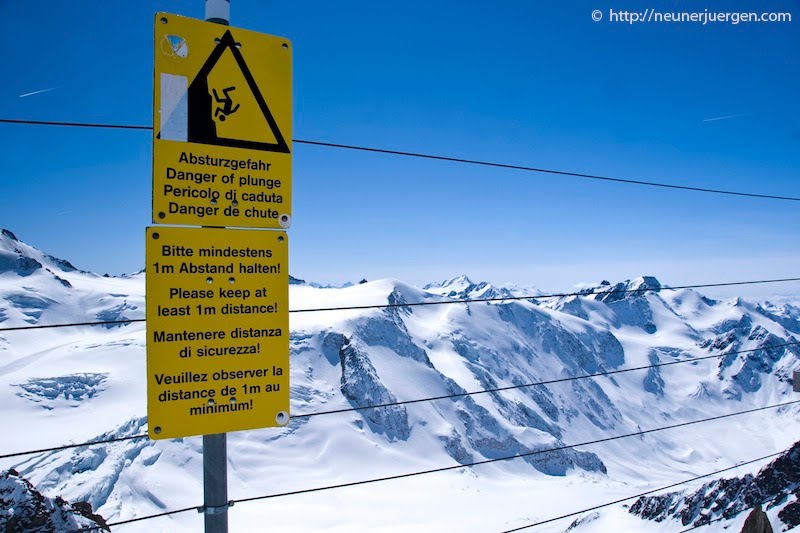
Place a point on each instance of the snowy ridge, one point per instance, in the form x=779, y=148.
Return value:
x=77, y=384
x=463, y=288
x=777, y=486
x=36, y=285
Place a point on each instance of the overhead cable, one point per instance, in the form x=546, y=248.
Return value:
x=445, y=302
x=659, y=489
x=445, y=158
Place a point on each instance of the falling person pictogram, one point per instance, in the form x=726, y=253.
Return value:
x=227, y=107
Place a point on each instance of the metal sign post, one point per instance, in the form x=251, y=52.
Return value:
x=218, y=294
x=215, y=447
x=218, y=11
x=215, y=483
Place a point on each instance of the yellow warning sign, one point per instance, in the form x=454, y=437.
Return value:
x=217, y=330
x=222, y=136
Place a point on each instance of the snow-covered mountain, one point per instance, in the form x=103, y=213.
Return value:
x=75, y=384
x=463, y=288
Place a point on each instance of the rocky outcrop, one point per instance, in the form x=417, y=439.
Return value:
x=362, y=386
x=724, y=499
x=757, y=522
x=23, y=508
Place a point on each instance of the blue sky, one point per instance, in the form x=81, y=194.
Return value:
x=530, y=83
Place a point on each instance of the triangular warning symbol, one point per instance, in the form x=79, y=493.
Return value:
x=205, y=105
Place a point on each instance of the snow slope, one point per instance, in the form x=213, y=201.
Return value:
x=65, y=385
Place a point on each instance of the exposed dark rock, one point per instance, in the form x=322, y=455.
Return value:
x=787, y=316
x=627, y=291
x=389, y=330
x=790, y=515
x=62, y=263
x=629, y=303
x=27, y=265
x=653, y=382
x=757, y=522
x=582, y=520
x=62, y=281
x=362, y=386
x=25, y=509
x=724, y=499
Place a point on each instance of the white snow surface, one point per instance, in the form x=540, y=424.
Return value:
x=69, y=385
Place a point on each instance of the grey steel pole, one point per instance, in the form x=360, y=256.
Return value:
x=215, y=482
x=215, y=447
x=218, y=11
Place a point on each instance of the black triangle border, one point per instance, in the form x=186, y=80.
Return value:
x=227, y=41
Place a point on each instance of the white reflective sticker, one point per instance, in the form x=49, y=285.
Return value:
x=174, y=107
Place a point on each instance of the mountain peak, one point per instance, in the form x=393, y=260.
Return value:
x=463, y=279
x=645, y=282
x=630, y=288
x=16, y=255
